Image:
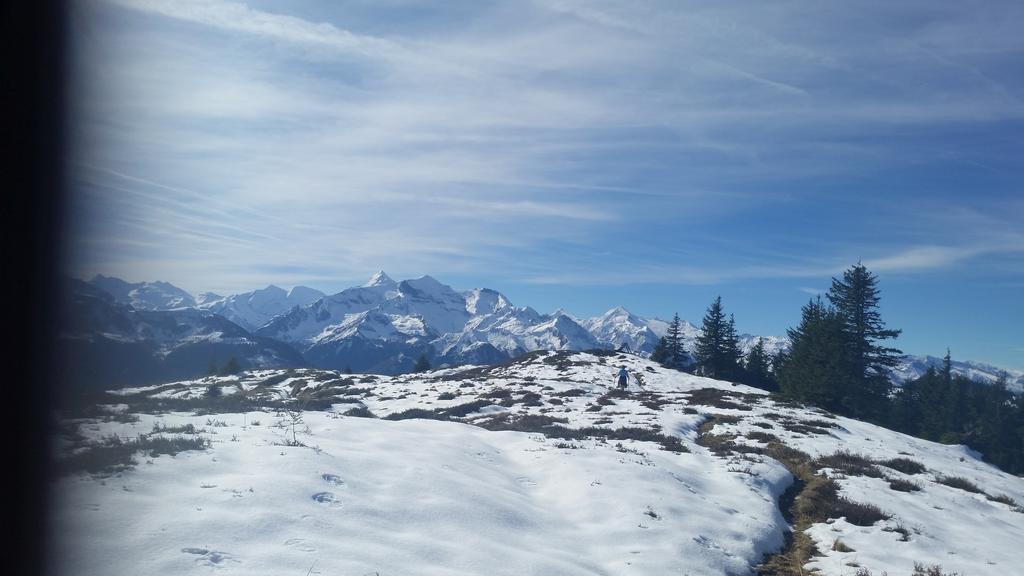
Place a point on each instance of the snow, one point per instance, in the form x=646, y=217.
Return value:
x=251, y=310
x=457, y=322
x=368, y=496
x=376, y=497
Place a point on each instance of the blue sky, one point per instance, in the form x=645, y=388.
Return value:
x=579, y=155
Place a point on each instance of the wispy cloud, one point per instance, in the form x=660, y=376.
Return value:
x=224, y=143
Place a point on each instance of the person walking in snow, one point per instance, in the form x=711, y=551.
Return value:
x=623, y=378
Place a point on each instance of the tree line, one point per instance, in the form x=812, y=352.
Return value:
x=839, y=360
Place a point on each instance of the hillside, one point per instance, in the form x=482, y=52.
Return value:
x=531, y=466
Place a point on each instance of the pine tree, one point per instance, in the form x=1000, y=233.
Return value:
x=660, y=354
x=717, y=352
x=905, y=410
x=817, y=368
x=232, y=367
x=933, y=400
x=670, y=351
x=422, y=364
x=955, y=394
x=732, y=356
x=675, y=347
x=856, y=299
x=757, y=362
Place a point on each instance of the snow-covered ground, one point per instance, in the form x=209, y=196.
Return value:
x=585, y=482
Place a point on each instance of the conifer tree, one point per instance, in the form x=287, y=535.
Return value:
x=732, y=356
x=817, y=368
x=717, y=352
x=675, y=347
x=670, y=351
x=660, y=354
x=933, y=400
x=422, y=364
x=855, y=298
x=232, y=367
x=757, y=367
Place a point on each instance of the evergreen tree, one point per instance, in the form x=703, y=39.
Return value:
x=232, y=367
x=757, y=367
x=717, y=352
x=422, y=364
x=675, y=347
x=660, y=354
x=905, y=410
x=817, y=368
x=855, y=298
x=932, y=420
x=670, y=351
x=955, y=393
x=732, y=356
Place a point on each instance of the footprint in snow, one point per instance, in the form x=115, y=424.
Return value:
x=300, y=545
x=327, y=498
x=710, y=544
x=333, y=479
x=525, y=481
x=213, y=558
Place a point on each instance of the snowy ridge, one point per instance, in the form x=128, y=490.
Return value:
x=914, y=366
x=532, y=466
x=109, y=343
x=252, y=310
x=145, y=295
x=452, y=327
x=425, y=316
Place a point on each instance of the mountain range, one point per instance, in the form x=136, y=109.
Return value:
x=382, y=326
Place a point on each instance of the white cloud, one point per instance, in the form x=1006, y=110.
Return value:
x=223, y=138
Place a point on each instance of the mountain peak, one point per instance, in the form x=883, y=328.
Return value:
x=379, y=279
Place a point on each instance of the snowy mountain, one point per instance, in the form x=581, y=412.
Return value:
x=914, y=366
x=145, y=295
x=384, y=326
x=622, y=329
x=108, y=343
x=534, y=466
x=252, y=310
x=619, y=327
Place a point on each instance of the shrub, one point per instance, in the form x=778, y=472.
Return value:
x=446, y=396
x=1003, y=499
x=899, y=529
x=112, y=454
x=359, y=412
x=839, y=546
x=183, y=429
x=761, y=436
x=571, y=393
x=900, y=485
x=532, y=399
x=716, y=398
x=935, y=570
x=802, y=428
x=960, y=483
x=849, y=463
x=905, y=465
